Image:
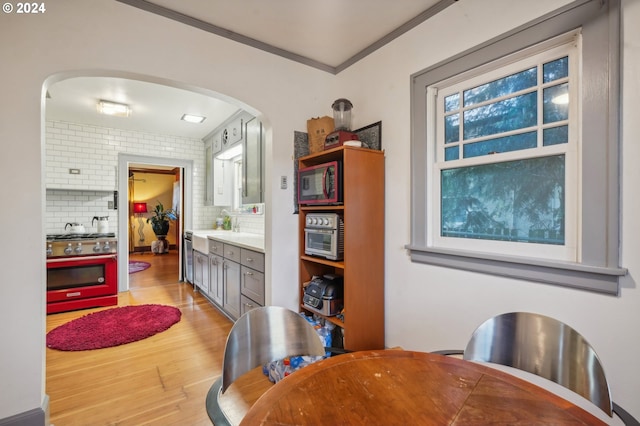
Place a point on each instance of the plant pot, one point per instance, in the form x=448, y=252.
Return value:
x=160, y=228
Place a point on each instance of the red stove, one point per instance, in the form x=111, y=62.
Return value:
x=82, y=271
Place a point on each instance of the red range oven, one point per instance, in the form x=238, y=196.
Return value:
x=82, y=271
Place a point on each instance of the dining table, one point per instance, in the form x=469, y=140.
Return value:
x=399, y=387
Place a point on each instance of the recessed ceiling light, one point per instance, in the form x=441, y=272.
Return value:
x=193, y=118
x=113, y=108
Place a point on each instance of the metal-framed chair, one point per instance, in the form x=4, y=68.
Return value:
x=548, y=348
x=261, y=335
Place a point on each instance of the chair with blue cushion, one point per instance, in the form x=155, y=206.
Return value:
x=548, y=348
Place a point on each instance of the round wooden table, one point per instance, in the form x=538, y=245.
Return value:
x=394, y=387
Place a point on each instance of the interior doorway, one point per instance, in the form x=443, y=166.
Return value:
x=184, y=170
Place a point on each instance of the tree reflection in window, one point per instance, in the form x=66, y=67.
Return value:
x=519, y=200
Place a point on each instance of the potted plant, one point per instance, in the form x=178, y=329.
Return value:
x=161, y=219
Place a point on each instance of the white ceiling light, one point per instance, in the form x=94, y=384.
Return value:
x=113, y=108
x=192, y=118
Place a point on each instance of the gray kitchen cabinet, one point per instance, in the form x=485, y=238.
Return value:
x=252, y=279
x=247, y=304
x=201, y=271
x=216, y=143
x=208, y=183
x=252, y=159
x=216, y=278
x=231, y=291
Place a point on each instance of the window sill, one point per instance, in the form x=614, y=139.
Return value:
x=566, y=274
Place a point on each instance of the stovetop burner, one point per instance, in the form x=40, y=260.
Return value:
x=86, y=244
x=83, y=236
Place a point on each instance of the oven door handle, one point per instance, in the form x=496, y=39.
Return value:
x=70, y=259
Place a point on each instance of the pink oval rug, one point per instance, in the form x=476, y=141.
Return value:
x=112, y=327
x=137, y=266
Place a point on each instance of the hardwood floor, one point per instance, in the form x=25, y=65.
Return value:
x=161, y=380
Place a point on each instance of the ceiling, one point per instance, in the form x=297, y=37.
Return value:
x=329, y=35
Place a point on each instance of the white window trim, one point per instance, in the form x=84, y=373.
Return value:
x=598, y=267
x=528, y=58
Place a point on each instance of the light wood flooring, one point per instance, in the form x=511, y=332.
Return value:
x=161, y=380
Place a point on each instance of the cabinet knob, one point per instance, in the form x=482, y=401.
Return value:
x=249, y=259
x=248, y=273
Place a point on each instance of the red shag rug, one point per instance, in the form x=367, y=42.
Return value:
x=112, y=327
x=137, y=266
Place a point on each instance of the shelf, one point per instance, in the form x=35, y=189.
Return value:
x=363, y=267
x=322, y=261
x=333, y=319
x=321, y=208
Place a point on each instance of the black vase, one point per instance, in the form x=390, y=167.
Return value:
x=160, y=228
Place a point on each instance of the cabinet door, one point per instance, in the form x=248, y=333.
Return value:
x=252, y=284
x=234, y=131
x=216, y=143
x=231, y=292
x=201, y=271
x=247, y=305
x=208, y=182
x=252, y=163
x=216, y=277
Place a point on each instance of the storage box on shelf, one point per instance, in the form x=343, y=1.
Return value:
x=363, y=265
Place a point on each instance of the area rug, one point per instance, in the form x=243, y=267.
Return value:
x=137, y=266
x=112, y=327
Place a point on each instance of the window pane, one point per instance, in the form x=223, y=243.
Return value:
x=451, y=153
x=501, y=87
x=505, y=144
x=555, y=135
x=510, y=114
x=556, y=103
x=451, y=128
x=519, y=200
x=452, y=102
x=556, y=69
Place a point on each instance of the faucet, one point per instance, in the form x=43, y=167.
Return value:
x=236, y=226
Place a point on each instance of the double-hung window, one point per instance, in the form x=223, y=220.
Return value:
x=515, y=153
x=505, y=155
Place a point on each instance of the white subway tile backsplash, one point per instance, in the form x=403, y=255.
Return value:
x=94, y=151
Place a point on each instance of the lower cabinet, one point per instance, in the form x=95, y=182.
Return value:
x=231, y=292
x=216, y=278
x=235, y=278
x=201, y=271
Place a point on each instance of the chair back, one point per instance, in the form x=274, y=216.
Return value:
x=543, y=346
x=263, y=335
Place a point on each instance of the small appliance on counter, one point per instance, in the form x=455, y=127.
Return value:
x=103, y=224
x=342, y=119
x=324, y=295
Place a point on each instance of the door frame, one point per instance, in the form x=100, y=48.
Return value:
x=186, y=216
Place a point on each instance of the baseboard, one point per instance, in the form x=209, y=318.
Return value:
x=35, y=417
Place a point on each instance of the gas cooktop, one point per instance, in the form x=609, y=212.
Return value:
x=83, y=236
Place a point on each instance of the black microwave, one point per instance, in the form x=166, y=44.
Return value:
x=320, y=184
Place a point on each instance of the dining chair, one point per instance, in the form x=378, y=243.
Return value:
x=548, y=348
x=261, y=335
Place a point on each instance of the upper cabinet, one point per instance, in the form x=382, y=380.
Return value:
x=235, y=162
x=253, y=163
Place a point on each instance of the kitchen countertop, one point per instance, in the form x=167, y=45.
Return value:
x=241, y=239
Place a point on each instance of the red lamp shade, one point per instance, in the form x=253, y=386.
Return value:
x=139, y=207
